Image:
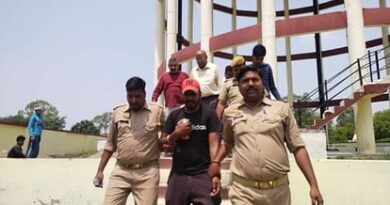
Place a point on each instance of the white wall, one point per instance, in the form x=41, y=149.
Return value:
x=53, y=143
x=315, y=143
x=69, y=182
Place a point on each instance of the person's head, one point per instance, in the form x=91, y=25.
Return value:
x=173, y=65
x=258, y=54
x=201, y=58
x=135, y=88
x=39, y=110
x=238, y=63
x=250, y=85
x=20, y=140
x=228, y=72
x=191, y=94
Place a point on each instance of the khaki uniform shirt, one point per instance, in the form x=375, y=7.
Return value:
x=134, y=135
x=258, y=136
x=208, y=79
x=230, y=92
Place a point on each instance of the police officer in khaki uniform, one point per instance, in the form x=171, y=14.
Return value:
x=133, y=134
x=256, y=130
x=230, y=93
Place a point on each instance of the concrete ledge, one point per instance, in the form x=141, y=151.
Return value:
x=69, y=182
x=315, y=141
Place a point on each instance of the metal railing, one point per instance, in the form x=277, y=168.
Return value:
x=373, y=63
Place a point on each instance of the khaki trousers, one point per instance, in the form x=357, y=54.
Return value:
x=243, y=195
x=142, y=183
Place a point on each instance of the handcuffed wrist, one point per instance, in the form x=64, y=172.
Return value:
x=169, y=139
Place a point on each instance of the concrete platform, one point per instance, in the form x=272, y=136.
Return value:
x=69, y=182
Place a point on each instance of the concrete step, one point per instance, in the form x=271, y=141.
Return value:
x=166, y=163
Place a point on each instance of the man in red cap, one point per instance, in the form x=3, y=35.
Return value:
x=193, y=132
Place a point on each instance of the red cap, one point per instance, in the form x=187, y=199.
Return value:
x=190, y=84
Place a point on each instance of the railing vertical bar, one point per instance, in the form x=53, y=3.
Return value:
x=326, y=93
x=360, y=72
x=370, y=65
x=299, y=116
x=378, y=74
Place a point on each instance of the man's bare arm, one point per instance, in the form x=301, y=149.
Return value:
x=303, y=161
x=103, y=162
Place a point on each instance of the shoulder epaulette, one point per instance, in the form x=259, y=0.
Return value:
x=119, y=106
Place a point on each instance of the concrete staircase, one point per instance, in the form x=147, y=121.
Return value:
x=368, y=90
x=166, y=164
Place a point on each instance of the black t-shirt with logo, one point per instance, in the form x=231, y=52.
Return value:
x=192, y=154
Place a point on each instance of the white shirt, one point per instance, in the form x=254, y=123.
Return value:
x=208, y=78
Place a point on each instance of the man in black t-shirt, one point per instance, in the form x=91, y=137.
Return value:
x=193, y=132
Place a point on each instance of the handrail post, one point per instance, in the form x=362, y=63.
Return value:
x=378, y=74
x=370, y=65
x=326, y=93
x=299, y=114
x=360, y=72
x=318, y=50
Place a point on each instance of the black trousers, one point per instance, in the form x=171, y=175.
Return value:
x=210, y=101
x=184, y=190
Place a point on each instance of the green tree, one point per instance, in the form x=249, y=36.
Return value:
x=304, y=116
x=382, y=124
x=342, y=133
x=85, y=127
x=51, y=117
x=102, y=122
x=330, y=128
x=345, y=127
x=347, y=117
x=15, y=119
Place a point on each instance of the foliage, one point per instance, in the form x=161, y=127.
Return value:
x=51, y=118
x=330, y=128
x=304, y=116
x=344, y=129
x=342, y=133
x=382, y=124
x=85, y=127
x=387, y=139
x=102, y=122
x=15, y=119
x=345, y=118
